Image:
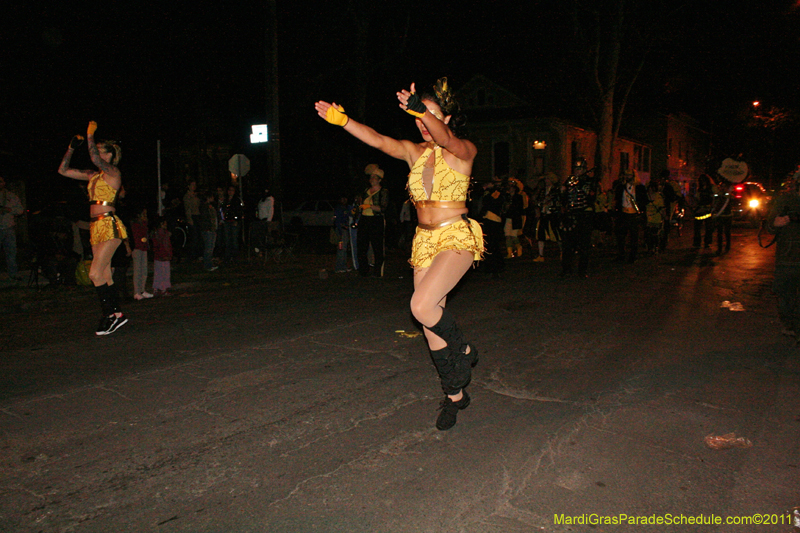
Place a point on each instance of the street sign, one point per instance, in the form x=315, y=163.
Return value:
x=239, y=165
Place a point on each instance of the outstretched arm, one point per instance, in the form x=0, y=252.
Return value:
x=65, y=170
x=438, y=129
x=112, y=174
x=334, y=114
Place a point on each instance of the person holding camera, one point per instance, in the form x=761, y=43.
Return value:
x=783, y=220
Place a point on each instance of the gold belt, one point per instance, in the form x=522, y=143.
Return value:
x=100, y=202
x=443, y=223
x=440, y=203
x=102, y=216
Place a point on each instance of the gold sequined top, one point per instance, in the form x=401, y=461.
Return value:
x=448, y=185
x=100, y=191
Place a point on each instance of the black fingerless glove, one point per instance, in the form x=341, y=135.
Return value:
x=76, y=141
x=415, y=106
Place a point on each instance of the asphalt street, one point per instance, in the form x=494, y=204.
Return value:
x=278, y=398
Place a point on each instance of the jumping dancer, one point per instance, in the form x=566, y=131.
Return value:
x=106, y=230
x=446, y=242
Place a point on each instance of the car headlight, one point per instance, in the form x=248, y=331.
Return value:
x=753, y=203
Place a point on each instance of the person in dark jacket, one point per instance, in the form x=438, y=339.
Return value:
x=783, y=220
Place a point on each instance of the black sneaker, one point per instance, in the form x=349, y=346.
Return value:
x=450, y=409
x=119, y=321
x=104, y=327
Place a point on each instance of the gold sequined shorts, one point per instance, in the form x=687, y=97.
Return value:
x=106, y=228
x=464, y=234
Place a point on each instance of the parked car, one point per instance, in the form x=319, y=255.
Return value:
x=749, y=202
x=310, y=213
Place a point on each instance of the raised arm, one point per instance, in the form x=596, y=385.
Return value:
x=436, y=126
x=65, y=170
x=335, y=115
x=112, y=174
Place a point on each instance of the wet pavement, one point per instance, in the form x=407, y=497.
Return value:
x=270, y=398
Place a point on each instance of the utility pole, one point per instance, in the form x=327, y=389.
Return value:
x=272, y=99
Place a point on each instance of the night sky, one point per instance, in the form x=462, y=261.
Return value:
x=184, y=72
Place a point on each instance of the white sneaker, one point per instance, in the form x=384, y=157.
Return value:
x=146, y=294
x=138, y=297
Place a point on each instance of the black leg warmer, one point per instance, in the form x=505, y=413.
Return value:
x=444, y=365
x=114, y=296
x=105, y=299
x=455, y=367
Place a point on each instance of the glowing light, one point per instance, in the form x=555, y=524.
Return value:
x=260, y=134
x=754, y=203
x=756, y=103
x=539, y=145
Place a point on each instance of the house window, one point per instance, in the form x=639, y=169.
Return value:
x=646, y=160
x=501, y=158
x=637, y=158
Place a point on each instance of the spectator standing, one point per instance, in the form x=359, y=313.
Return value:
x=208, y=224
x=342, y=217
x=191, y=207
x=162, y=257
x=232, y=217
x=10, y=208
x=141, y=244
x=265, y=212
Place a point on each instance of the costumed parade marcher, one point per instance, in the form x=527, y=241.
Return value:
x=722, y=215
x=494, y=205
x=580, y=191
x=548, y=210
x=106, y=230
x=515, y=219
x=654, y=228
x=703, y=210
x=372, y=223
x=630, y=202
x=446, y=242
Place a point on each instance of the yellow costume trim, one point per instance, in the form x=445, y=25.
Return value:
x=462, y=234
x=106, y=227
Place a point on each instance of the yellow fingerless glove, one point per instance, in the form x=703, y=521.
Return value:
x=91, y=128
x=337, y=117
